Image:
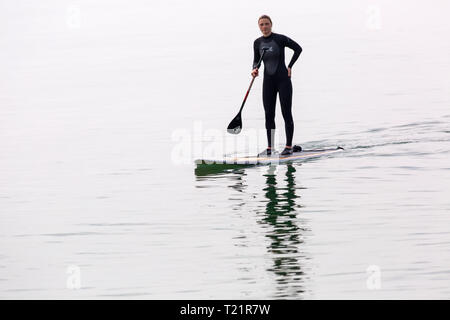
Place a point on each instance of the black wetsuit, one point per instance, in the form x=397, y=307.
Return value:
x=276, y=80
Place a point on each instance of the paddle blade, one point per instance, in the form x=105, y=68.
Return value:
x=235, y=125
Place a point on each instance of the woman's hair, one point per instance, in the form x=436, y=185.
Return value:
x=264, y=16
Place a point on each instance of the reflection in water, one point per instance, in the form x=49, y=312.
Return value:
x=279, y=219
x=284, y=233
x=239, y=182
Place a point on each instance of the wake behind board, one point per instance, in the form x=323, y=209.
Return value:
x=274, y=159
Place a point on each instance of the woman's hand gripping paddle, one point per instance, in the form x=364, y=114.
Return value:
x=235, y=125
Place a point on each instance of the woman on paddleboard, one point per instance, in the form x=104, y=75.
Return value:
x=277, y=78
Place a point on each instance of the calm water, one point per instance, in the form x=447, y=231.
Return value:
x=97, y=97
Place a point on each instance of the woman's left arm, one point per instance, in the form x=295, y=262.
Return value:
x=297, y=50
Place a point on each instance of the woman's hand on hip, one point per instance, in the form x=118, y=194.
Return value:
x=289, y=72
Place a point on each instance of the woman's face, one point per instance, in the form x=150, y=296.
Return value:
x=265, y=26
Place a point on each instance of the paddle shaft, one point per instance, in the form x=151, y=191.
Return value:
x=251, y=83
x=246, y=95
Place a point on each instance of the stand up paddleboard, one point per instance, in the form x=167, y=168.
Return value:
x=274, y=159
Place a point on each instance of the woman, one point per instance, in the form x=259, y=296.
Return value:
x=276, y=79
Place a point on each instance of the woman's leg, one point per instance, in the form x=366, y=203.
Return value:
x=285, y=91
x=269, y=101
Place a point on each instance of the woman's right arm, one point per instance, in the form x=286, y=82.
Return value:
x=256, y=57
x=256, y=54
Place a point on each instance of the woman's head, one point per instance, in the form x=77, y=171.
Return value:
x=265, y=24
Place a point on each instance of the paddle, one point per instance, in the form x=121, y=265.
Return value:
x=235, y=125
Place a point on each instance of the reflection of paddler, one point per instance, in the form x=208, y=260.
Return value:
x=285, y=234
